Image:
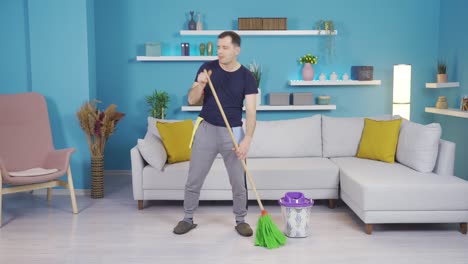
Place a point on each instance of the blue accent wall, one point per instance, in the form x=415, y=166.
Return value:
x=453, y=47
x=78, y=50
x=14, y=47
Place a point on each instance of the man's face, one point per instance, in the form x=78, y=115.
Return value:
x=226, y=51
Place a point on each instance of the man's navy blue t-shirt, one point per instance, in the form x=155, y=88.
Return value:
x=231, y=88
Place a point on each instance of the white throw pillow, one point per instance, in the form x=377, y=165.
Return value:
x=287, y=138
x=341, y=135
x=152, y=150
x=418, y=145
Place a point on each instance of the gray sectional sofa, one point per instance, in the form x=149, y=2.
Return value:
x=316, y=155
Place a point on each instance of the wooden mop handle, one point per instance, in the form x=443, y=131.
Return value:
x=233, y=140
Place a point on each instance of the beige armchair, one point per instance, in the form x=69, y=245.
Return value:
x=28, y=159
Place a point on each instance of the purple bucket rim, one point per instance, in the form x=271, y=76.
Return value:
x=295, y=199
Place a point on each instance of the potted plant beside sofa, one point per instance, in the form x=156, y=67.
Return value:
x=157, y=103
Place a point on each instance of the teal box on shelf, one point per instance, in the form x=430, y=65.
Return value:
x=323, y=100
x=153, y=49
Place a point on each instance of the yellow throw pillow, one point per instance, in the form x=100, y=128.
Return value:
x=379, y=140
x=176, y=138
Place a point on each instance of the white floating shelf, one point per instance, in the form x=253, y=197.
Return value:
x=442, y=85
x=450, y=112
x=176, y=58
x=258, y=32
x=274, y=108
x=332, y=83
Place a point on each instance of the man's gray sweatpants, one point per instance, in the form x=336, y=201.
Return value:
x=210, y=140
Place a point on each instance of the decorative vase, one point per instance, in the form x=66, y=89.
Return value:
x=199, y=23
x=202, y=49
x=97, y=177
x=333, y=76
x=210, y=48
x=192, y=25
x=441, y=78
x=442, y=103
x=307, y=72
x=345, y=77
x=322, y=77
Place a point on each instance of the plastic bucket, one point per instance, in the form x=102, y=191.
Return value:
x=296, y=209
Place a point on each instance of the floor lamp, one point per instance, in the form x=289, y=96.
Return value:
x=402, y=90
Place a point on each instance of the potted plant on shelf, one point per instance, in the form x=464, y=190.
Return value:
x=257, y=70
x=308, y=70
x=328, y=26
x=98, y=126
x=157, y=103
x=441, y=72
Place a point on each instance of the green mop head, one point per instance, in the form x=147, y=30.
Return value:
x=268, y=234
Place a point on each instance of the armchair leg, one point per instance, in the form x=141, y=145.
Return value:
x=140, y=204
x=463, y=227
x=72, y=190
x=49, y=194
x=1, y=196
x=369, y=229
x=332, y=203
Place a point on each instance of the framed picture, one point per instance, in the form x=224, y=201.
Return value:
x=464, y=103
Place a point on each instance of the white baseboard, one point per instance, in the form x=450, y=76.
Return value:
x=87, y=192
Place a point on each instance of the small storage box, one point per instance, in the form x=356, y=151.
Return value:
x=153, y=49
x=362, y=73
x=277, y=23
x=303, y=99
x=278, y=98
x=250, y=23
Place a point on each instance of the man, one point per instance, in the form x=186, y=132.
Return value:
x=233, y=83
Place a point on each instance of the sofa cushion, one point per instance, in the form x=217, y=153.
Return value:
x=267, y=173
x=176, y=139
x=287, y=138
x=293, y=173
x=375, y=185
x=341, y=135
x=379, y=140
x=174, y=177
x=418, y=145
x=152, y=151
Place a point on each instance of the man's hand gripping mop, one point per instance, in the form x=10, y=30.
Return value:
x=267, y=233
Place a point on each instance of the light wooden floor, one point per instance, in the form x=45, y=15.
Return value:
x=112, y=230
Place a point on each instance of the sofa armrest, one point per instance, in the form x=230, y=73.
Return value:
x=138, y=163
x=445, y=158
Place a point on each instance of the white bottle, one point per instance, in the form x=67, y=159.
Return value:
x=345, y=77
x=199, y=23
x=322, y=77
x=333, y=76
x=259, y=97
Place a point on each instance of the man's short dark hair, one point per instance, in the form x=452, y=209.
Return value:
x=235, y=38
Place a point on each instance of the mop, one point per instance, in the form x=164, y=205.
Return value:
x=267, y=233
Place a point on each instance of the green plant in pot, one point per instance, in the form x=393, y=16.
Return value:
x=328, y=26
x=441, y=72
x=157, y=103
x=257, y=71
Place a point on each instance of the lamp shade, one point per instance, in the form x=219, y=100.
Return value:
x=402, y=90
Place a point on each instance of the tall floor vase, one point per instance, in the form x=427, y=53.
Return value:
x=97, y=177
